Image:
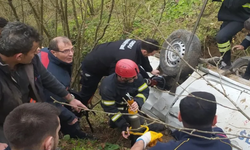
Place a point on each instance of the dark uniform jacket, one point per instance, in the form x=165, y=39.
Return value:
x=112, y=93
x=102, y=59
x=246, y=42
x=234, y=10
x=189, y=142
x=15, y=88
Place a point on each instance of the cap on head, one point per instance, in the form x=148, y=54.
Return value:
x=126, y=68
x=198, y=109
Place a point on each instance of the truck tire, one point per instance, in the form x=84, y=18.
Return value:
x=170, y=62
x=240, y=65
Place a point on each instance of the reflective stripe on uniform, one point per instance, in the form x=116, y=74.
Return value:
x=141, y=96
x=247, y=5
x=108, y=103
x=224, y=47
x=120, y=108
x=226, y=44
x=223, y=50
x=142, y=87
x=122, y=103
x=115, y=117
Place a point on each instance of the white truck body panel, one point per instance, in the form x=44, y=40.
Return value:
x=162, y=105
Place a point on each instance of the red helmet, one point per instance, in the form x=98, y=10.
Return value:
x=126, y=68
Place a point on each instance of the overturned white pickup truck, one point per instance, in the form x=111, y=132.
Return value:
x=165, y=106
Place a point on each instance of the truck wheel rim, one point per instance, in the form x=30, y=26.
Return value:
x=172, y=59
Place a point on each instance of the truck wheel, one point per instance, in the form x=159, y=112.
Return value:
x=170, y=61
x=240, y=65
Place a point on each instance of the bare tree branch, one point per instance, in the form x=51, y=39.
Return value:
x=56, y=8
x=75, y=15
x=13, y=10
x=38, y=20
x=189, y=131
x=41, y=19
x=159, y=21
x=66, y=18
x=62, y=17
x=91, y=6
x=107, y=24
x=100, y=21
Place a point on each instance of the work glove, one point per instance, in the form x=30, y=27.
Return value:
x=150, y=138
x=155, y=81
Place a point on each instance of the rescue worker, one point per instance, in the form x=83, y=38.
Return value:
x=196, y=112
x=22, y=76
x=33, y=126
x=102, y=59
x=57, y=59
x=3, y=23
x=243, y=46
x=233, y=13
x=114, y=88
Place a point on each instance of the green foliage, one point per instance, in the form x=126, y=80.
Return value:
x=66, y=137
x=109, y=146
x=182, y=9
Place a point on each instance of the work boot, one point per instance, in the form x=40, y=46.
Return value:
x=225, y=66
x=75, y=131
x=79, y=134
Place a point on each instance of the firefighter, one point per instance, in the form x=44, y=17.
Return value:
x=114, y=88
x=102, y=59
x=233, y=13
x=243, y=46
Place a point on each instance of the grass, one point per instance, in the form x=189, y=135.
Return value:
x=108, y=139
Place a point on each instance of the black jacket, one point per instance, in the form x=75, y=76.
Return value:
x=102, y=59
x=234, y=10
x=246, y=42
x=11, y=94
x=112, y=93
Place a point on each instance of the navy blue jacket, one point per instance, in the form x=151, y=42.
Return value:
x=189, y=142
x=58, y=68
x=112, y=93
x=62, y=72
x=246, y=42
x=234, y=10
x=103, y=58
